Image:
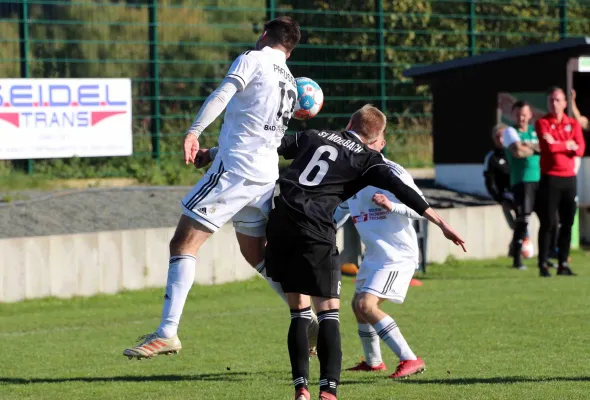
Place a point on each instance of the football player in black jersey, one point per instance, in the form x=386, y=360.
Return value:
x=328, y=167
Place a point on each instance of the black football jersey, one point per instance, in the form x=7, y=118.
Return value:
x=328, y=168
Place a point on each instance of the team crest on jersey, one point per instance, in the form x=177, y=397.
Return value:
x=568, y=128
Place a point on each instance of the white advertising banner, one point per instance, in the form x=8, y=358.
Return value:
x=60, y=118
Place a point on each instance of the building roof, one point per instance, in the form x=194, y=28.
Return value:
x=583, y=43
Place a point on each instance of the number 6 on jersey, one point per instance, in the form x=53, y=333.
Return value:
x=321, y=164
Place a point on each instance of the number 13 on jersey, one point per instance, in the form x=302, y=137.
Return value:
x=285, y=111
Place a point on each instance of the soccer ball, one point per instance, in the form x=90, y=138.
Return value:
x=310, y=99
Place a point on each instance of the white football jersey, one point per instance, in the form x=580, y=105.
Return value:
x=257, y=115
x=389, y=238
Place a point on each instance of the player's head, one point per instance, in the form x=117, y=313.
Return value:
x=370, y=123
x=498, y=135
x=522, y=113
x=281, y=33
x=556, y=101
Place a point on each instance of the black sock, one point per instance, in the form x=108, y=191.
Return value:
x=299, y=346
x=329, y=351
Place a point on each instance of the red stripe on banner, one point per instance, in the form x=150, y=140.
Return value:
x=98, y=116
x=11, y=118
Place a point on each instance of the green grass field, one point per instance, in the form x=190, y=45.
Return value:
x=484, y=330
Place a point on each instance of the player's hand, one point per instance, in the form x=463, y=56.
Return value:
x=573, y=95
x=191, y=147
x=382, y=201
x=203, y=158
x=453, y=236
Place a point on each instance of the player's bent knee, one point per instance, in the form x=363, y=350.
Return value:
x=366, y=304
x=251, y=247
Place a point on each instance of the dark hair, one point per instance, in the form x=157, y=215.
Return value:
x=520, y=104
x=555, y=89
x=284, y=31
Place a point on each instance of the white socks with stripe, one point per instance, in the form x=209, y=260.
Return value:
x=371, y=345
x=181, y=275
x=276, y=286
x=388, y=331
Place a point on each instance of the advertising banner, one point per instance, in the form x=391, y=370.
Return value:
x=61, y=118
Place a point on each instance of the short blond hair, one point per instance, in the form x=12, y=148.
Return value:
x=369, y=122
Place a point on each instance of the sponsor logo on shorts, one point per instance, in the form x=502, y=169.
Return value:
x=202, y=210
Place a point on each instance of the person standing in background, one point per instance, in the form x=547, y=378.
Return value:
x=496, y=173
x=560, y=141
x=523, y=158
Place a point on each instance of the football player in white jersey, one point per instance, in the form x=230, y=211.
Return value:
x=260, y=94
x=391, y=257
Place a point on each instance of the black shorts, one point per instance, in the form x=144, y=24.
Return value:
x=525, y=197
x=300, y=261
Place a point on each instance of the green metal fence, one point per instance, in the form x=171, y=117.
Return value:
x=176, y=52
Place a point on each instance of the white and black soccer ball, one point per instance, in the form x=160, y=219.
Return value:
x=310, y=99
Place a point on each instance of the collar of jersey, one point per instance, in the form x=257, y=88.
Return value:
x=355, y=134
x=276, y=52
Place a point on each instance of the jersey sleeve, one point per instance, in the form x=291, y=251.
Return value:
x=510, y=136
x=244, y=69
x=379, y=174
x=289, y=146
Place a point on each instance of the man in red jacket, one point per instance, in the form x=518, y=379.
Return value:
x=560, y=141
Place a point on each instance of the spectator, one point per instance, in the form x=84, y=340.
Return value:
x=523, y=157
x=497, y=176
x=560, y=140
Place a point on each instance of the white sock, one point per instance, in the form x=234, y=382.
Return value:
x=181, y=276
x=388, y=331
x=371, y=346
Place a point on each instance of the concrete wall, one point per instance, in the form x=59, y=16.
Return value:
x=484, y=229
x=108, y=262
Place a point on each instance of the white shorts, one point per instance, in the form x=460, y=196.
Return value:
x=387, y=283
x=222, y=195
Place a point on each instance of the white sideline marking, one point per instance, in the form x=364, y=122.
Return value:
x=137, y=322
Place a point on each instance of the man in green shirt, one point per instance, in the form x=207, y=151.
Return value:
x=525, y=172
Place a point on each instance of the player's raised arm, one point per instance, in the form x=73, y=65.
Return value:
x=242, y=71
x=379, y=174
x=395, y=207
